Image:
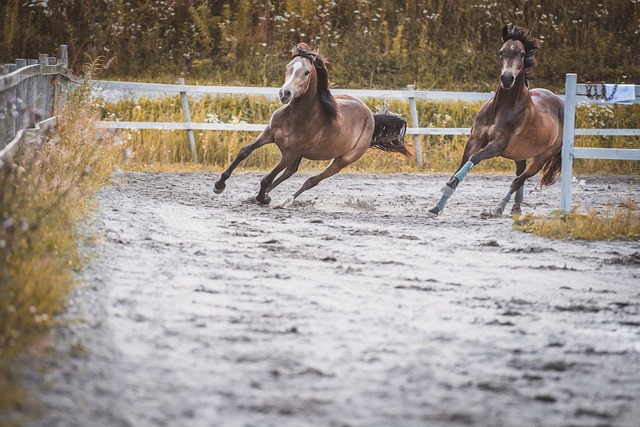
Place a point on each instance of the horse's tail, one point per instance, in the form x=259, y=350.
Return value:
x=389, y=131
x=551, y=170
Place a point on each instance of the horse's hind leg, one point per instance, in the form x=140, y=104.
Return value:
x=267, y=182
x=516, y=186
x=334, y=167
x=291, y=169
x=521, y=165
x=265, y=138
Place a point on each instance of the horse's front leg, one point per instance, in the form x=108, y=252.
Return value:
x=266, y=137
x=516, y=209
x=493, y=149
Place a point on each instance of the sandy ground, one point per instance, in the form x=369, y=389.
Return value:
x=349, y=309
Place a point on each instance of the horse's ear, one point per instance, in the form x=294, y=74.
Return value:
x=505, y=33
x=294, y=48
x=529, y=32
x=315, y=53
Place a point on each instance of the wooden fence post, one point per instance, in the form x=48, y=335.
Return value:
x=11, y=107
x=62, y=82
x=43, y=102
x=32, y=97
x=413, y=110
x=187, y=118
x=566, y=173
x=21, y=93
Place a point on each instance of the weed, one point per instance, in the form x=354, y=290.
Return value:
x=45, y=193
x=621, y=223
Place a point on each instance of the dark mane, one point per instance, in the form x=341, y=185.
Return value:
x=531, y=46
x=327, y=100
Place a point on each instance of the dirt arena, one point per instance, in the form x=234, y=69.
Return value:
x=352, y=308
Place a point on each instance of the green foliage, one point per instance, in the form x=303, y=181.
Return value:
x=444, y=44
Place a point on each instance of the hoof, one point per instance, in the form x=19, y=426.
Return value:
x=286, y=203
x=265, y=201
x=516, y=210
x=433, y=212
x=218, y=190
x=491, y=213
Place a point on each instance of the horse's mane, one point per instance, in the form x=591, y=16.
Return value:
x=531, y=46
x=327, y=100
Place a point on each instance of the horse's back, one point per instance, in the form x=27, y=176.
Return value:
x=548, y=101
x=351, y=102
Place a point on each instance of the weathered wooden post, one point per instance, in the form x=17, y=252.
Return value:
x=32, y=97
x=43, y=102
x=184, y=101
x=413, y=111
x=21, y=94
x=62, y=82
x=11, y=107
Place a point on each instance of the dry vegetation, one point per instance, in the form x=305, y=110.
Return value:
x=621, y=223
x=168, y=150
x=45, y=194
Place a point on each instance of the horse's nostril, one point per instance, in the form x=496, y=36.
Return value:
x=285, y=95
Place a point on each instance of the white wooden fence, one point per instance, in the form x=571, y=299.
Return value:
x=32, y=92
x=113, y=91
x=575, y=93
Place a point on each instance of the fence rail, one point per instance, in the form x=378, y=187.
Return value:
x=117, y=90
x=577, y=93
x=32, y=91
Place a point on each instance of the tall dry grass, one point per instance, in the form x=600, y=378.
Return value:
x=617, y=223
x=46, y=193
x=168, y=150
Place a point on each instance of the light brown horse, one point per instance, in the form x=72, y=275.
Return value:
x=315, y=125
x=517, y=124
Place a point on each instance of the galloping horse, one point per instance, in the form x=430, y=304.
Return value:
x=517, y=124
x=315, y=125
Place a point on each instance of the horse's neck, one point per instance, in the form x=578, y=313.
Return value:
x=307, y=105
x=518, y=95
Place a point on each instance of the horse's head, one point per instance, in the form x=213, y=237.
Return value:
x=300, y=72
x=517, y=55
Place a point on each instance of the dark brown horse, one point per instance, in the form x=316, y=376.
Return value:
x=315, y=125
x=517, y=124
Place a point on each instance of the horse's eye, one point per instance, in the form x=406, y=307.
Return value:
x=306, y=73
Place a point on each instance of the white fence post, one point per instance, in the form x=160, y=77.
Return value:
x=413, y=111
x=187, y=118
x=567, y=141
